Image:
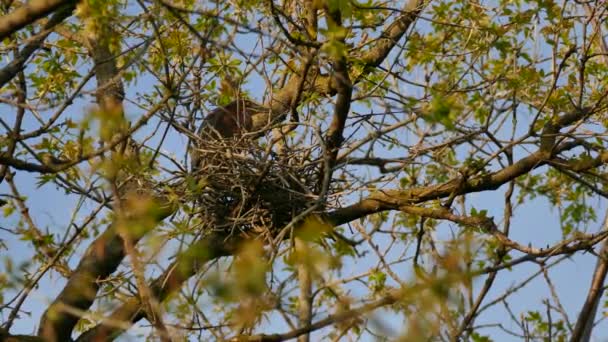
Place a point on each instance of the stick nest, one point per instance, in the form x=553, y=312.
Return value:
x=246, y=187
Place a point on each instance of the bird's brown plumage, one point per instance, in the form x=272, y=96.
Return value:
x=229, y=121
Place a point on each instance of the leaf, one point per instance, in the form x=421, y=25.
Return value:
x=8, y=208
x=313, y=227
x=344, y=6
x=334, y=49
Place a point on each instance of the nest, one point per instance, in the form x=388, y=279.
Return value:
x=248, y=188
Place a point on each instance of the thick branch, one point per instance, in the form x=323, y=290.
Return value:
x=282, y=99
x=188, y=263
x=344, y=89
x=100, y=260
x=104, y=255
x=216, y=246
x=389, y=299
x=392, y=34
x=18, y=164
x=341, y=109
x=27, y=14
x=8, y=72
x=6, y=337
x=305, y=300
x=586, y=318
x=393, y=199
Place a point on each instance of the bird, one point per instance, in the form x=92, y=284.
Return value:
x=230, y=120
x=225, y=122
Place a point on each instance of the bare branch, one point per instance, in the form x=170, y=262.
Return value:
x=9, y=71
x=187, y=264
x=29, y=13
x=586, y=317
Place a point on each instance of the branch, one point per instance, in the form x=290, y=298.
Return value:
x=6, y=337
x=215, y=246
x=393, y=199
x=344, y=88
x=6, y=159
x=581, y=165
x=8, y=72
x=29, y=13
x=282, y=99
x=393, y=33
x=105, y=254
x=584, y=323
x=389, y=299
x=187, y=264
x=100, y=260
x=341, y=109
x=305, y=298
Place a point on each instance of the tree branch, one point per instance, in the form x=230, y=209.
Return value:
x=393, y=33
x=282, y=99
x=188, y=263
x=393, y=199
x=586, y=317
x=105, y=254
x=29, y=13
x=389, y=299
x=9, y=71
x=100, y=260
x=216, y=246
